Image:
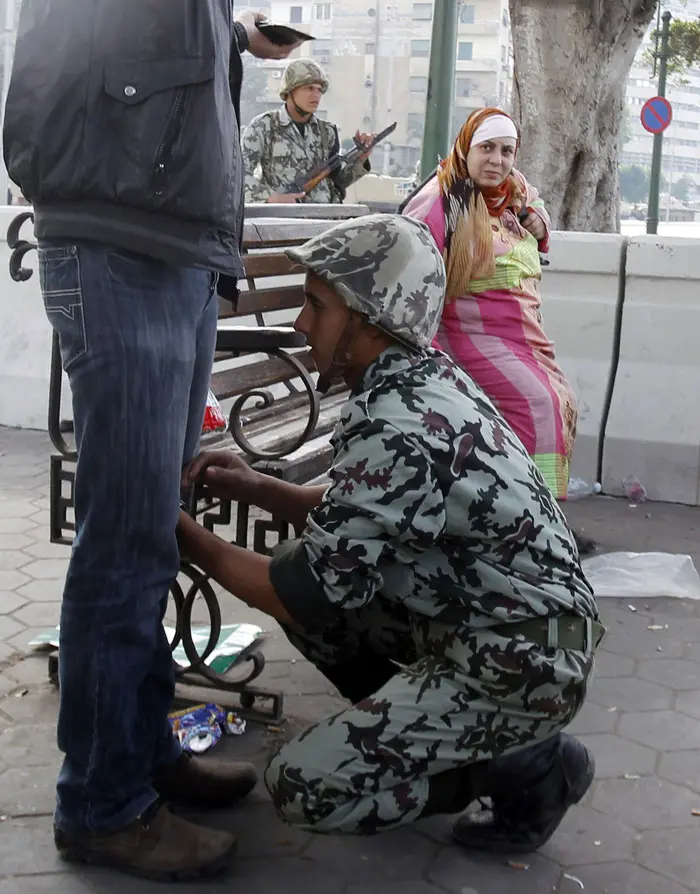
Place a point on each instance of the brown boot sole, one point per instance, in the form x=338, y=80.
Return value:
x=77, y=853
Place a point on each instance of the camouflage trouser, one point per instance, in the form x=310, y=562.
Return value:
x=369, y=768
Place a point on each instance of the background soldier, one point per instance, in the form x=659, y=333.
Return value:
x=280, y=144
x=436, y=582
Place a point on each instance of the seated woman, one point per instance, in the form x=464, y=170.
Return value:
x=491, y=226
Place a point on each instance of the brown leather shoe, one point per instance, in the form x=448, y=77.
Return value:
x=194, y=782
x=158, y=845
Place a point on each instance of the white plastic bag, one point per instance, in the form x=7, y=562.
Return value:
x=642, y=575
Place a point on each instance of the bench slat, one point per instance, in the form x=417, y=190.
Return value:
x=260, y=374
x=268, y=264
x=262, y=301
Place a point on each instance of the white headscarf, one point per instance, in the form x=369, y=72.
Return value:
x=496, y=127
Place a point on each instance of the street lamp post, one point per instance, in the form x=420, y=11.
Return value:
x=441, y=77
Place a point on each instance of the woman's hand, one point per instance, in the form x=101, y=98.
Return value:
x=534, y=224
x=225, y=473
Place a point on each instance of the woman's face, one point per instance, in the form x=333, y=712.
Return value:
x=490, y=163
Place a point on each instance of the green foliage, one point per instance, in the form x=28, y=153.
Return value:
x=634, y=183
x=683, y=46
x=681, y=188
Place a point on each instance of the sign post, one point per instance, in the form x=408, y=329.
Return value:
x=656, y=116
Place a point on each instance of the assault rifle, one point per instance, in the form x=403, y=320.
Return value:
x=306, y=182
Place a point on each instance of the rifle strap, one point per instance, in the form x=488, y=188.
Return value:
x=324, y=139
x=271, y=134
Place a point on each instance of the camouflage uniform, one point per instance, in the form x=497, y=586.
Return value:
x=436, y=530
x=275, y=152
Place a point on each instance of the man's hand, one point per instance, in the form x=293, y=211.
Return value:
x=534, y=224
x=258, y=44
x=225, y=473
x=280, y=198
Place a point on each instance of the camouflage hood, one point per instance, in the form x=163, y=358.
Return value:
x=301, y=73
x=386, y=267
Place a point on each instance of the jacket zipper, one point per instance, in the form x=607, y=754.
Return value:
x=168, y=146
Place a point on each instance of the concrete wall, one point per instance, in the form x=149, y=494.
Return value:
x=580, y=292
x=25, y=340
x=600, y=293
x=654, y=426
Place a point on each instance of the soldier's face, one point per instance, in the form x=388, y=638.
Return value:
x=307, y=98
x=322, y=320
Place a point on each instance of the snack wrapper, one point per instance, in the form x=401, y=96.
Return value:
x=200, y=727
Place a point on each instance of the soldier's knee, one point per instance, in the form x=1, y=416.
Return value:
x=287, y=792
x=304, y=795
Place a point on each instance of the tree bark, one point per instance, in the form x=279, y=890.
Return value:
x=572, y=61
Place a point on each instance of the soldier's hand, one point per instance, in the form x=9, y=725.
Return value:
x=365, y=139
x=258, y=44
x=224, y=472
x=280, y=198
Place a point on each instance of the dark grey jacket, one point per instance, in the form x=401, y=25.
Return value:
x=121, y=125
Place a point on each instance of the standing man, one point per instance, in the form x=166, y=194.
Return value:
x=281, y=144
x=121, y=129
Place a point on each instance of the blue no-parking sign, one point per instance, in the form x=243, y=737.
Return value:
x=656, y=114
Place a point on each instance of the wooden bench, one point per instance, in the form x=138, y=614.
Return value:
x=263, y=376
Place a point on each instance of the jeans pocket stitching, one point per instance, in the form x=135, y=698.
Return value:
x=71, y=310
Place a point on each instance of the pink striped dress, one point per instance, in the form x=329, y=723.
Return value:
x=495, y=334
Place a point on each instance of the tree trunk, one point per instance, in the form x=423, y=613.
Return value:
x=572, y=60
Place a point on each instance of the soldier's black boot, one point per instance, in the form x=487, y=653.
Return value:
x=530, y=793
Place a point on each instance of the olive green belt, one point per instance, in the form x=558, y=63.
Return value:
x=565, y=632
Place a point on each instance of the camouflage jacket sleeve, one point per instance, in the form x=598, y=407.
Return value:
x=383, y=505
x=253, y=147
x=347, y=176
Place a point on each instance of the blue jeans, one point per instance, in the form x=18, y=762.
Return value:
x=137, y=342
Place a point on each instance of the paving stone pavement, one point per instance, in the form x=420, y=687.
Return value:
x=635, y=833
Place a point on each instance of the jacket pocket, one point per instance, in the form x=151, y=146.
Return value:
x=147, y=113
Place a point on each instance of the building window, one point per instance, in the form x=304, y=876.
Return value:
x=463, y=87
x=420, y=48
x=418, y=85
x=322, y=12
x=416, y=122
x=295, y=15
x=466, y=50
x=370, y=48
x=322, y=50
x=423, y=12
x=506, y=23
x=467, y=15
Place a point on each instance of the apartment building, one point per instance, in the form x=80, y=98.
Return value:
x=681, y=151
x=681, y=154
x=377, y=54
